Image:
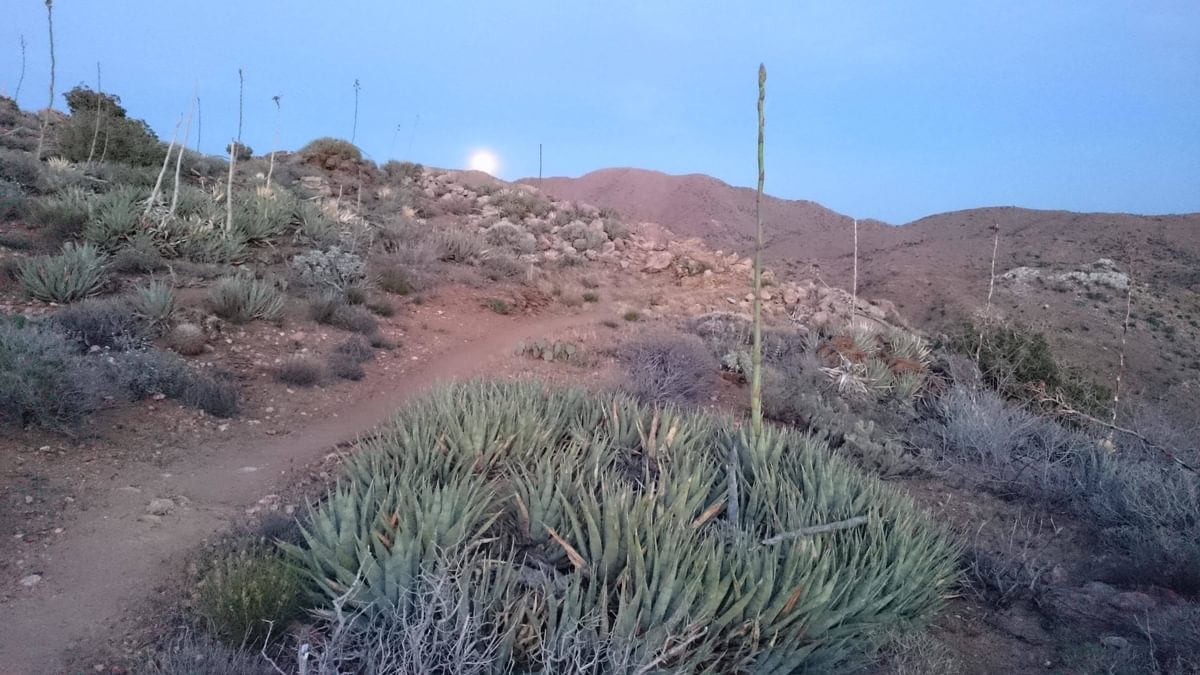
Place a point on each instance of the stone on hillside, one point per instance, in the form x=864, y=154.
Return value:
x=658, y=261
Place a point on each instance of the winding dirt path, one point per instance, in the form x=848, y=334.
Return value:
x=111, y=561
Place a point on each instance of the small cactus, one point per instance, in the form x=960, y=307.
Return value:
x=187, y=339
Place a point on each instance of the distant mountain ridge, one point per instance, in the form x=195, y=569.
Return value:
x=936, y=269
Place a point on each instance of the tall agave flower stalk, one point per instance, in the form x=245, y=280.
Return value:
x=274, y=140
x=99, y=114
x=179, y=159
x=50, y=105
x=163, y=171
x=233, y=150
x=21, y=78
x=987, y=312
x=756, y=419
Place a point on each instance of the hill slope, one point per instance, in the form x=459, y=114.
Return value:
x=936, y=269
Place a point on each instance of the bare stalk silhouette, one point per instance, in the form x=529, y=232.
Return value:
x=274, y=139
x=21, y=78
x=46, y=113
x=99, y=113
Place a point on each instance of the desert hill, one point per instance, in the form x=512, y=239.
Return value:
x=936, y=269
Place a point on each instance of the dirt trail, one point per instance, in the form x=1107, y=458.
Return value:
x=110, y=561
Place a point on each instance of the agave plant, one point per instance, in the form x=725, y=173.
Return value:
x=73, y=274
x=242, y=298
x=595, y=524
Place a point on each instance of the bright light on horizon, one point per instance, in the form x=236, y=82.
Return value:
x=484, y=160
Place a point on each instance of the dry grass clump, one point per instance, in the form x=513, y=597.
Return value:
x=668, y=368
x=242, y=299
x=300, y=371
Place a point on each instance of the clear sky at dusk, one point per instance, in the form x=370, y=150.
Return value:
x=875, y=109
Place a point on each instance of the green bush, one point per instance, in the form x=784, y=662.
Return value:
x=64, y=214
x=330, y=152
x=250, y=594
x=263, y=217
x=43, y=380
x=75, y=273
x=20, y=168
x=332, y=310
x=12, y=199
x=242, y=299
x=242, y=152
x=638, y=562
x=122, y=138
x=115, y=218
x=1016, y=359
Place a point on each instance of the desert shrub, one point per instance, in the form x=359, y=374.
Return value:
x=381, y=308
x=215, y=394
x=115, y=217
x=1016, y=359
x=380, y=341
x=355, y=295
x=117, y=174
x=43, y=380
x=668, y=368
x=330, y=152
x=75, y=273
x=240, y=151
x=332, y=310
x=154, y=303
x=299, y=371
x=622, y=506
x=332, y=270
x=356, y=347
x=507, y=235
x=998, y=445
x=345, y=367
x=519, y=204
x=591, y=296
x=20, y=168
x=198, y=654
x=393, y=279
x=63, y=215
x=249, y=594
x=632, y=316
x=461, y=246
x=263, y=216
x=402, y=172
x=501, y=266
x=137, y=256
x=204, y=241
x=106, y=323
x=582, y=236
x=242, y=298
x=12, y=199
x=1150, y=508
x=313, y=225
x=187, y=339
x=498, y=305
x=123, y=139
x=615, y=229
x=58, y=174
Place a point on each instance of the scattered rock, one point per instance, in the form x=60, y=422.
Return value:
x=31, y=580
x=658, y=261
x=160, y=507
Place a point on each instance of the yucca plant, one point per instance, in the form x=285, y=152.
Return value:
x=75, y=273
x=242, y=299
x=154, y=303
x=591, y=522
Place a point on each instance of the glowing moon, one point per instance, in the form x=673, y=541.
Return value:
x=485, y=161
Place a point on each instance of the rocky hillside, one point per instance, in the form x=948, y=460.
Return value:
x=936, y=269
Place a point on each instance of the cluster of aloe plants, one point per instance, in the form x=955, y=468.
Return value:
x=602, y=525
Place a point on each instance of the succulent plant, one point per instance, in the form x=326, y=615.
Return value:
x=571, y=510
x=547, y=350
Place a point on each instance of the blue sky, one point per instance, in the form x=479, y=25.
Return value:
x=876, y=109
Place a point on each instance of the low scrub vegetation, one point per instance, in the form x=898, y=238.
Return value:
x=251, y=595
x=332, y=310
x=668, y=368
x=242, y=299
x=300, y=371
